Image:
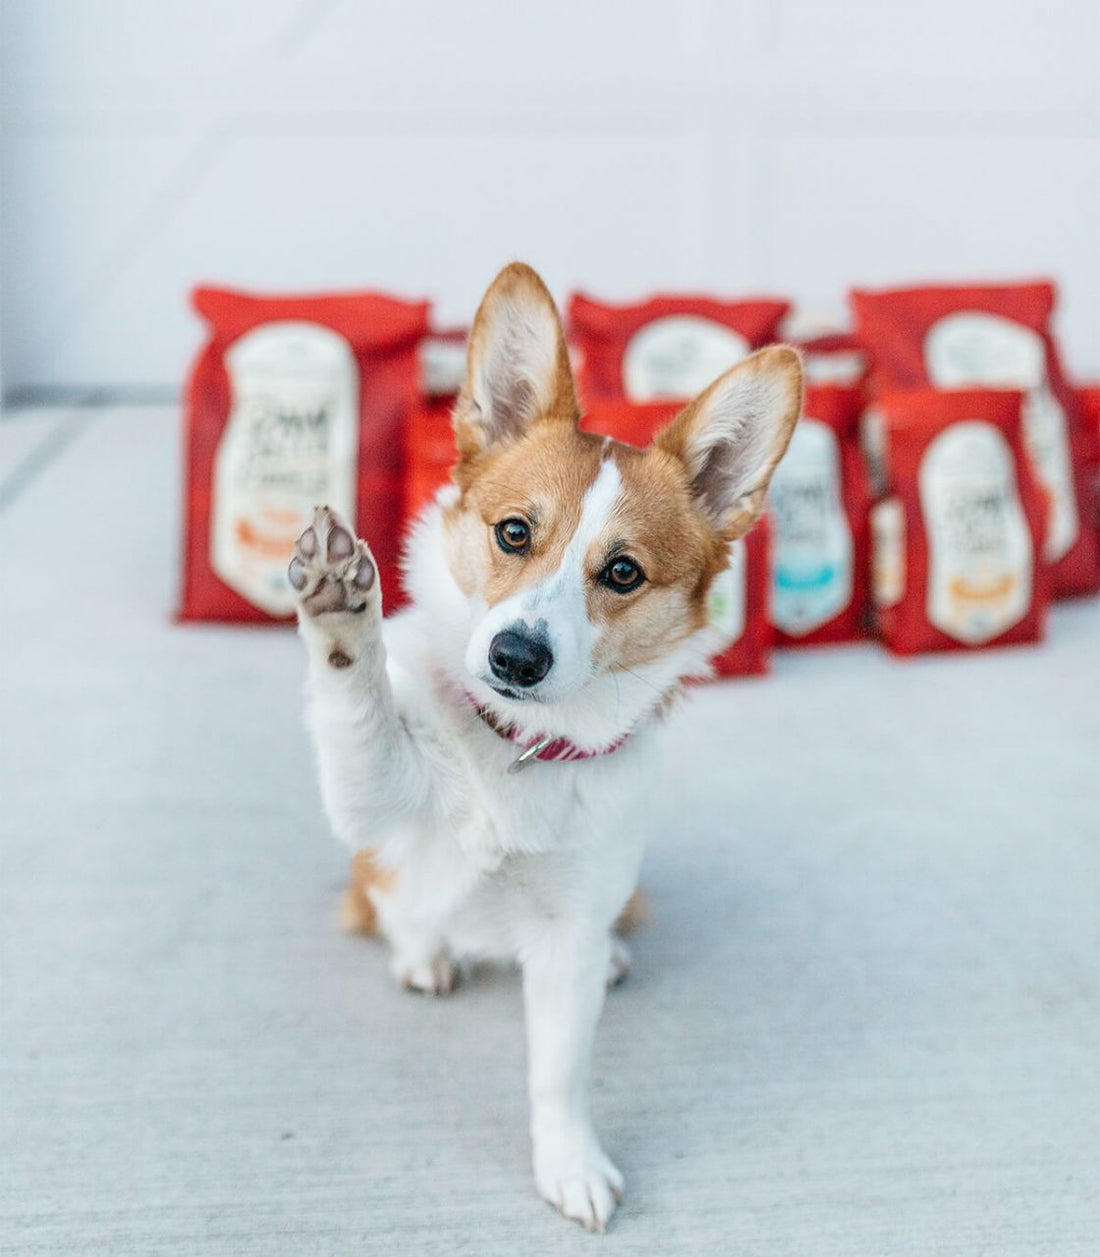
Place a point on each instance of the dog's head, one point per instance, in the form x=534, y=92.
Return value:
x=584, y=564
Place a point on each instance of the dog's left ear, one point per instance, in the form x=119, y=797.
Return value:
x=517, y=367
x=732, y=436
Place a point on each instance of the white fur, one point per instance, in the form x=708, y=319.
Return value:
x=533, y=866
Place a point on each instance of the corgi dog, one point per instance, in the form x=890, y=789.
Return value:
x=481, y=751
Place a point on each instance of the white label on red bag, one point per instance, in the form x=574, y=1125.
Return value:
x=974, y=348
x=888, y=552
x=678, y=356
x=842, y=367
x=812, y=567
x=442, y=366
x=980, y=560
x=290, y=443
x=726, y=599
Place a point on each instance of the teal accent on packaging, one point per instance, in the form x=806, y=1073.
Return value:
x=812, y=578
x=793, y=579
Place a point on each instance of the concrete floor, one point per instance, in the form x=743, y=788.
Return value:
x=865, y=1011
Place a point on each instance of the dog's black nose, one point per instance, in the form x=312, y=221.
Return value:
x=518, y=659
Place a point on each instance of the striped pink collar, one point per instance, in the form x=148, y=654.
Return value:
x=541, y=747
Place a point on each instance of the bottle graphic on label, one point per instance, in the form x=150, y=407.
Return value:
x=727, y=596
x=980, y=558
x=812, y=571
x=974, y=348
x=678, y=356
x=290, y=443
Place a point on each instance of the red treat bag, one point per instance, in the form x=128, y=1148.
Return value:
x=819, y=502
x=294, y=401
x=958, y=537
x=430, y=452
x=667, y=347
x=628, y=421
x=738, y=600
x=995, y=336
x=1088, y=397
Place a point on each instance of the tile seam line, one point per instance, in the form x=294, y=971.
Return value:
x=43, y=455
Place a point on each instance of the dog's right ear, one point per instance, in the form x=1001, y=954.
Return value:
x=732, y=436
x=517, y=366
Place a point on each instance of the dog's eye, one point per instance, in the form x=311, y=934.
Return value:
x=513, y=536
x=622, y=575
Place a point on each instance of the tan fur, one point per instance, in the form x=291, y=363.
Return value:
x=357, y=911
x=656, y=524
x=542, y=477
x=634, y=912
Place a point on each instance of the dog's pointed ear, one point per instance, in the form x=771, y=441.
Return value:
x=732, y=436
x=517, y=366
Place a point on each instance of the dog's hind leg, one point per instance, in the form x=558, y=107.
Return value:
x=358, y=913
x=370, y=767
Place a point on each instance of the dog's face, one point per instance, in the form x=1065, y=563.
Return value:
x=581, y=558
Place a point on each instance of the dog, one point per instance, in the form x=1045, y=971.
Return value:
x=481, y=751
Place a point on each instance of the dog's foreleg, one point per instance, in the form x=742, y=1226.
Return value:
x=564, y=976
x=370, y=768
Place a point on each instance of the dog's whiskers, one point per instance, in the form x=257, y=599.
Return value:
x=644, y=680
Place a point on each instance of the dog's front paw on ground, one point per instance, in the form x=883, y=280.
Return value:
x=577, y=1178
x=331, y=570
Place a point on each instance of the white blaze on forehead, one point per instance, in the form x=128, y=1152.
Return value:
x=599, y=505
x=600, y=499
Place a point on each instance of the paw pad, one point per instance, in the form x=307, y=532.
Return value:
x=341, y=544
x=331, y=570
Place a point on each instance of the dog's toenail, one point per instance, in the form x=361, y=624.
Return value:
x=297, y=574
x=307, y=543
x=339, y=660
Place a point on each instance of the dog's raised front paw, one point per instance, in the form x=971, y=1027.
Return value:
x=576, y=1176
x=331, y=570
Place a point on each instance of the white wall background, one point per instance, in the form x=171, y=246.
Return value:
x=793, y=146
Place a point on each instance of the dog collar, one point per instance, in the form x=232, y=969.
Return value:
x=546, y=749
